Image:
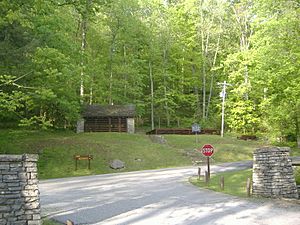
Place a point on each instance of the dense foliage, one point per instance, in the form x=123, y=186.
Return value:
x=167, y=57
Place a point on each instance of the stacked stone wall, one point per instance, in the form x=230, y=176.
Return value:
x=273, y=173
x=19, y=193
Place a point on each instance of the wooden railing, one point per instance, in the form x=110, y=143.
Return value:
x=183, y=131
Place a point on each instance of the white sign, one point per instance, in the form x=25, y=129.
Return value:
x=195, y=127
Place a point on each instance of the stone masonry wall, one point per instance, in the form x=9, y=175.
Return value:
x=19, y=194
x=273, y=173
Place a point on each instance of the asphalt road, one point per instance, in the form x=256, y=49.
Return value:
x=157, y=197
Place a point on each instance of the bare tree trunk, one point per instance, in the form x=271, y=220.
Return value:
x=245, y=35
x=203, y=69
x=204, y=49
x=83, y=47
x=111, y=54
x=91, y=95
x=125, y=74
x=84, y=27
x=152, y=95
x=297, y=121
x=165, y=88
x=212, y=76
x=196, y=90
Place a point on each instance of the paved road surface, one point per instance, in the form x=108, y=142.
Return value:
x=157, y=197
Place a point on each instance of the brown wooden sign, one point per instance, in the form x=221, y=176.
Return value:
x=83, y=157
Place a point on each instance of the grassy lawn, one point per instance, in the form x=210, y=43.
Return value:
x=297, y=175
x=50, y=222
x=227, y=149
x=56, y=150
x=235, y=182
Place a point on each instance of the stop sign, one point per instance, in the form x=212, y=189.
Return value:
x=207, y=150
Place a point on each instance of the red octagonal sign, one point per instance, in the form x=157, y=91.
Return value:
x=207, y=150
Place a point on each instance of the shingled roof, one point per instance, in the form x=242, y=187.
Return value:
x=109, y=110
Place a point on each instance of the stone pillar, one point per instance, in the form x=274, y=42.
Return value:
x=273, y=173
x=130, y=125
x=19, y=193
x=80, y=126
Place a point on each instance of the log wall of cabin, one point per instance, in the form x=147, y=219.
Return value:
x=105, y=124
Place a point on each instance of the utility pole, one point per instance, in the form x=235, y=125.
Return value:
x=223, y=95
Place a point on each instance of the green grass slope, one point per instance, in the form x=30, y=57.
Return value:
x=235, y=182
x=227, y=149
x=56, y=150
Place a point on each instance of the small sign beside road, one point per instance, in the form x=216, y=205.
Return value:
x=196, y=128
x=207, y=150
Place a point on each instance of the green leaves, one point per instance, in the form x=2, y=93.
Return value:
x=191, y=45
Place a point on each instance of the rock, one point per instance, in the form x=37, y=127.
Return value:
x=117, y=164
x=158, y=139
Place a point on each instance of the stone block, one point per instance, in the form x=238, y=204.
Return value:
x=4, y=166
x=10, y=158
x=36, y=216
x=31, y=169
x=15, y=165
x=3, y=221
x=23, y=222
x=5, y=209
x=10, y=178
x=29, y=193
x=13, y=184
x=30, y=157
x=34, y=222
x=32, y=205
x=29, y=164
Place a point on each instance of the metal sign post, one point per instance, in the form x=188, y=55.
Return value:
x=223, y=96
x=196, y=129
x=207, y=150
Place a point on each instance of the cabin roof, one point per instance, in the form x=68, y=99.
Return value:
x=109, y=110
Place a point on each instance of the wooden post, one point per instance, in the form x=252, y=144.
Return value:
x=208, y=167
x=206, y=177
x=119, y=124
x=199, y=173
x=69, y=222
x=76, y=163
x=248, y=187
x=222, y=183
x=109, y=124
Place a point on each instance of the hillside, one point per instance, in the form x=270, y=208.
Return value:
x=56, y=150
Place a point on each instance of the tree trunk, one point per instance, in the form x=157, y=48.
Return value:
x=297, y=121
x=165, y=88
x=111, y=54
x=203, y=70
x=196, y=90
x=83, y=47
x=91, y=95
x=125, y=74
x=152, y=95
x=84, y=27
x=212, y=76
x=244, y=42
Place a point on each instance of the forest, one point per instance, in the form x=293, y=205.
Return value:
x=170, y=58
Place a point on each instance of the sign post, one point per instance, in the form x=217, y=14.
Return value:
x=223, y=96
x=196, y=129
x=207, y=150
